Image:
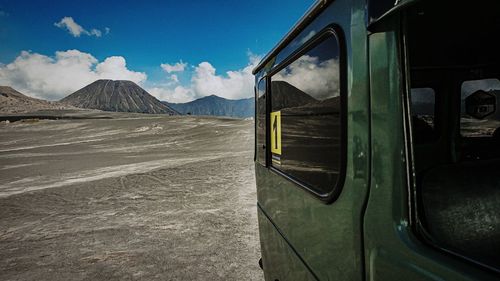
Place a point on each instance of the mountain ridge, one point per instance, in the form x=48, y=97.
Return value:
x=119, y=96
x=214, y=105
x=13, y=101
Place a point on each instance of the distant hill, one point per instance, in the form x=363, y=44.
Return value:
x=217, y=106
x=291, y=100
x=119, y=95
x=285, y=95
x=12, y=101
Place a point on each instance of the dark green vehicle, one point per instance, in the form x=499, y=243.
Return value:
x=377, y=152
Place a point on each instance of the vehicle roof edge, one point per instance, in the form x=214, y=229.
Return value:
x=309, y=15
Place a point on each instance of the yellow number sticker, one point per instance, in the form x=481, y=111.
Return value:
x=276, y=132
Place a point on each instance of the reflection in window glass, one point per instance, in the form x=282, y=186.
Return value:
x=305, y=117
x=479, y=107
x=260, y=122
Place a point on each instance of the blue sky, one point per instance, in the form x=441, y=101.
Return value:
x=228, y=36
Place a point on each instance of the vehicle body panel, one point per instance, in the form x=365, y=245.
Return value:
x=392, y=251
x=322, y=233
x=368, y=232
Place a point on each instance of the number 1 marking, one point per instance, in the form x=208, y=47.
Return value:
x=275, y=133
x=275, y=129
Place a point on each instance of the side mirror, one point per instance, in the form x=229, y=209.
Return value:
x=480, y=104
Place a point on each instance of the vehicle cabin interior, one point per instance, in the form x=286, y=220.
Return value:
x=454, y=64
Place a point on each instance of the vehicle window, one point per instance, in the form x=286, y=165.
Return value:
x=479, y=107
x=423, y=105
x=260, y=122
x=305, y=117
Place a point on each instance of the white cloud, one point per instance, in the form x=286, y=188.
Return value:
x=55, y=77
x=178, y=94
x=205, y=81
x=234, y=85
x=318, y=79
x=107, y=30
x=174, y=78
x=76, y=30
x=177, y=67
x=115, y=68
x=96, y=32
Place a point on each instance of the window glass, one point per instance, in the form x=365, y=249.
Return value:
x=305, y=118
x=479, y=107
x=260, y=122
x=423, y=102
x=423, y=105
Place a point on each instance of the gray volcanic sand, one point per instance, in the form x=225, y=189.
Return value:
x=136, y=197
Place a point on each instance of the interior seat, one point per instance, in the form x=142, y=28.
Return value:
x=461, y=204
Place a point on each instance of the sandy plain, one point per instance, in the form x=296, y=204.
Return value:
x=128, y=197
